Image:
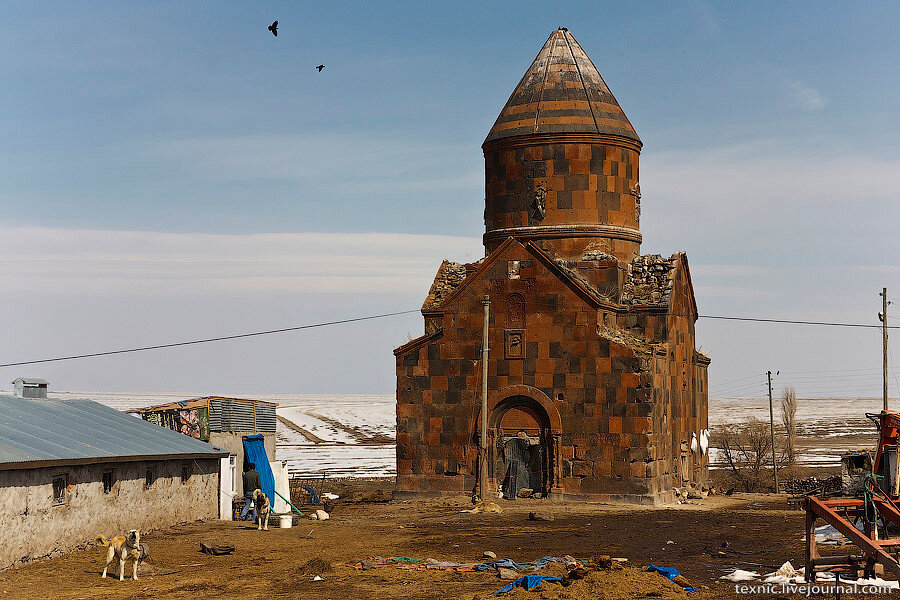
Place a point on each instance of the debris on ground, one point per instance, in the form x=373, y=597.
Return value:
x=508, y=574
x=489, y=554
x=319, y=515
x=619, y=581
x=528, y=582
x=540, y=516
x=739, y=575
x=673, y=575
x=786, y=570
x=376, y=496
x=216, y=549
x=810, y=485
x=314, y=566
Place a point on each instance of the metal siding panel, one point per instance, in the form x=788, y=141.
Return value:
x=265, y=417
x=242, y=416
x=227, y=405
x=215, y=415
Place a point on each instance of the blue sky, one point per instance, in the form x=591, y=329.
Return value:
x=127, y=130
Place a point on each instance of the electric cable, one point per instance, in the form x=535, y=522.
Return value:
x=207, y=340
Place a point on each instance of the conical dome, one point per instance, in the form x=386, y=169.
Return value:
x=562, y=92
x=561, y=162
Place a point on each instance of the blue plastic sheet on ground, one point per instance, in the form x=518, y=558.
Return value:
x=527, y=582
x=670, y=573
x=508, y=563
x=255, y=452
x=313, y=496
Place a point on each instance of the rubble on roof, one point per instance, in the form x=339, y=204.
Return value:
x=624, y=338
x=598, y=255
x=570, y=268
x=449, y=276
x=650, y=281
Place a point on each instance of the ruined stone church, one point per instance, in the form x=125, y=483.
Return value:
x=595, y=387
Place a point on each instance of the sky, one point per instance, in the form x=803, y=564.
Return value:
x=172, y=171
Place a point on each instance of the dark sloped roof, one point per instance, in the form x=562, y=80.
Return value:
x=562, y=92
x=41, y=431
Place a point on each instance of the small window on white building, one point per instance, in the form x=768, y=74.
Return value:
x=60, y=490
x=109, y=480
x=232, y=467
x=149, y=477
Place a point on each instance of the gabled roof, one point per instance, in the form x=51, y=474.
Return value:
x=574, y=282
x=37, y=432
x=562, y=92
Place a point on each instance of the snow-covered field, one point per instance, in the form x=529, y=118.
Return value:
x=344, y=451
x=351, y=434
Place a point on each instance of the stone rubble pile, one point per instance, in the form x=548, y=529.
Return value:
x=451, y=274
x=650, y=281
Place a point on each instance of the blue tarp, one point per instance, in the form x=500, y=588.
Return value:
x=255, y=452
x=670, y=573
x=527, y=582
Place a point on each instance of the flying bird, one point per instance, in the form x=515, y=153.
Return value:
x=274, y=28
x=320, y=67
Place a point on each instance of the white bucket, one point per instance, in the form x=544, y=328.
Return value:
x=286, y=521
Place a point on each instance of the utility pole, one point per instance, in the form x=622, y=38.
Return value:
x=483, y=458
x=884, y=327
x=772, y=430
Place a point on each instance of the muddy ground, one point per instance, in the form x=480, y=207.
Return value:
x=761, y=530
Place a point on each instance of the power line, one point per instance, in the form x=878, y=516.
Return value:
x=207, y=340
x=793, y=322
x=403, y=312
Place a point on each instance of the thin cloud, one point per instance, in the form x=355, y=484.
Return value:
x=805, y=96
x=135, y=262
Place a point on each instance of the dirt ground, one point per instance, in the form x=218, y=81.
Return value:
x=761, y=531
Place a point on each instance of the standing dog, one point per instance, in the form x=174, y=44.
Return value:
x=123, y=547
x=263, y=508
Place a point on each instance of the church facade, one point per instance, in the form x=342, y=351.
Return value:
x=595, y=388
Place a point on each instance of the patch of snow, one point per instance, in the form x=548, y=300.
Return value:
x=740, y=575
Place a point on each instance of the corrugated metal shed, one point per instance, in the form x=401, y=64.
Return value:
x=215, y=414
x=43, y=432
x=265, y=417
x=227, y=414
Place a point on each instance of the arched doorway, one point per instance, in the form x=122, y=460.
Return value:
x=523, y=408
x=519, y=429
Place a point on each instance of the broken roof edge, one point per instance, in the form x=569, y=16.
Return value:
x=451, y=274
x=416, y=343
x=630, y=341
x=195, y=403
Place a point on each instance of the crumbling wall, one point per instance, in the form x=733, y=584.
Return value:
x=33, y=527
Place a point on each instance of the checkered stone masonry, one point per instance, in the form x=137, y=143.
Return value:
x=589, y=341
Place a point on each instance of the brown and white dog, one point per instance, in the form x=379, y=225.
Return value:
x=263, y=508
x=123, y=547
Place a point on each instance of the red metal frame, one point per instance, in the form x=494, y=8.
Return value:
x=837, y=514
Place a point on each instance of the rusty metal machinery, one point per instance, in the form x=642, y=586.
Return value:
x=864, y=520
